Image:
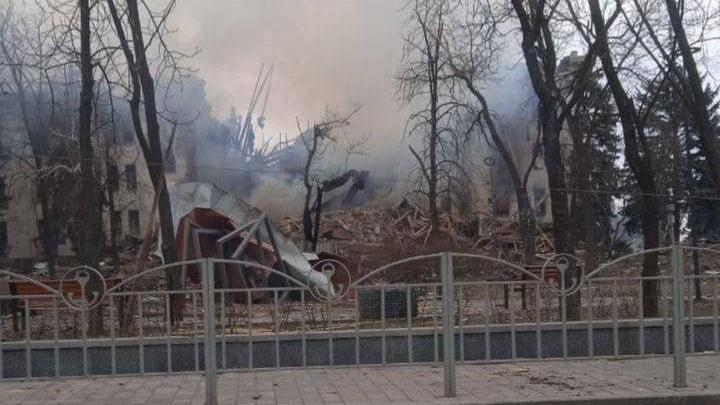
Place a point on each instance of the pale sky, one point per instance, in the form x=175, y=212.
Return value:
x=325, y=52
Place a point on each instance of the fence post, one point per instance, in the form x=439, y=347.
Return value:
x=678, y=299
x=208, y=281
x=446, y=272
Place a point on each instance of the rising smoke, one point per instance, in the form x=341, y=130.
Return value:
x=325, y=53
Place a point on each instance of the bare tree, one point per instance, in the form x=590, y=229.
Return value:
x=538, y=21
x=662, y=33
x=421, y=85
x=696, y=95
x=142, y=96
x=317, y=141
x=473, y=44
x=637, y=153
x=89, y=247
x=29, y=59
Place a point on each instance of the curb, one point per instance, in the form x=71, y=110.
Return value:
x=672, y=399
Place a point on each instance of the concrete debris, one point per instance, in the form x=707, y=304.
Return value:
x=519, y=372
x=405, y=221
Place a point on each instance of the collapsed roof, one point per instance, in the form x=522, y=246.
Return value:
x=210, y=222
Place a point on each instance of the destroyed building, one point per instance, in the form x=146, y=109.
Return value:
x=210, y=222
x=202, y=153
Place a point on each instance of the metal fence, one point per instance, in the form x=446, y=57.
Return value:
x=434, y=309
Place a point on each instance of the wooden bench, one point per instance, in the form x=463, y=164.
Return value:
x=39, y=298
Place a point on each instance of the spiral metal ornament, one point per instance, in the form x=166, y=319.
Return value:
x=88, y=299
x=564, y=262
x=338, y=279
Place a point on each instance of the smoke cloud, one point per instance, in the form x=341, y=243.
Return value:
x=325, y=53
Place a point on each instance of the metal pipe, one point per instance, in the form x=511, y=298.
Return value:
x=246, y=240
x=357, y=327
x=716, y=328
x=331, y=349
x=223, y=344
x=85, y=325
x=273, y=242
x=666, y=317
x=28, y=364
x=691, y=315
x=408, y=299
x=382, y=323
x=208, y=279
x=538, y=332
x=563, y=315
x=168, y=331
x=488, y=308
x=2, y=327
x=616, y=330
x=56, y=338
x=641, y=317
x=679, y=355
x=304, y=328
x=436, y=351
x=446, y=271
x=511, y=308
x=591, y=343
x=276, y=326
x=250, y=329
x=195, y=332
x=141, y=333
x=460, y=323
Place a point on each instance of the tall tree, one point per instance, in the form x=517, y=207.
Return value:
x=662, y=33
x=421, y=84
x=638, y=155
x=317, y=140
x=555, y=102
x=142, y=94
x=472, y=44
x=696, y=95
x=28, y=56
x=592, y=127
x=90, y=235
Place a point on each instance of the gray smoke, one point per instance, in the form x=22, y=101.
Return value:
x=326, y=54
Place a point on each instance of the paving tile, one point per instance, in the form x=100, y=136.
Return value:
x=417, y=385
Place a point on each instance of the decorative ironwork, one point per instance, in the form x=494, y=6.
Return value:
x=564, y=262
x=338, y=280
x=90, y=297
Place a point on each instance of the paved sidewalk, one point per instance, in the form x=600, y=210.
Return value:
x=547, y=382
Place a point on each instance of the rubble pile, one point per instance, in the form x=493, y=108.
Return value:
x=404, y=222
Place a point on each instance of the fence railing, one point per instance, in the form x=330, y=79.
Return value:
x=434, y=309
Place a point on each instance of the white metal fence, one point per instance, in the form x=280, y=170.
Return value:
x=434, y=309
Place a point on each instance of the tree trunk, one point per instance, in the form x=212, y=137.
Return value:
x=153, y=153
x=433, y=169
x=39, y=149
x=559, y=201
x=526, y=213
x=115, y=231
x=536, y=38
x=698, y=100
x=48, y=224
x=651, y=239
x=88, y=216
x=526, y=220
x=640, y=164
x=581, y=175
x=318, y=216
